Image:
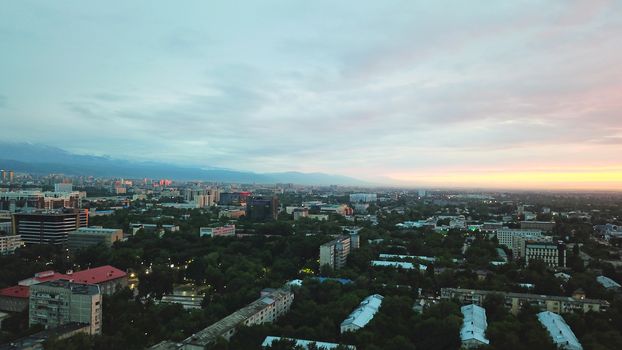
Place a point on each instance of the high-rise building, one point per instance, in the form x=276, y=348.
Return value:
x=262, y=208
x=334, y=254
x=56, y=303
x=48, y=227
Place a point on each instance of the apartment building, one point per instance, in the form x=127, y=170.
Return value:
x=505, y=235
x=266, y=309
x=514, y=301
x=335, y=253
x=552, y=253
x=8, y=244
x=56, y=303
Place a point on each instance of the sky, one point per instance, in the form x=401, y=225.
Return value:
x=507, y=94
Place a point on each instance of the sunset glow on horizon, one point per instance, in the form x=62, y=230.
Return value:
x=500, y=94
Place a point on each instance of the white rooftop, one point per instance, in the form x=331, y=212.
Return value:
x=474, y=324
x=364, y=313
x=559, y=331
x=305, y=343
x=607, y=282
x=396, y=264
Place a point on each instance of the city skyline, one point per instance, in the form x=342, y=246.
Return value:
x=450, y=94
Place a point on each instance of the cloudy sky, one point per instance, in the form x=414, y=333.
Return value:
x=456, y=93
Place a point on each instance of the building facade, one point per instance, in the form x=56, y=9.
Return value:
x=108, y=278
x=221, y=231
x=8, y=244
x=552, y=253
x=94, y=235
x=49, y=227
x=262, y=208
x=544, y=226
x=519, y=243
x=505, y=235
x=267, y=309
x=334, y=254
x=514, y=301
x=56, y=303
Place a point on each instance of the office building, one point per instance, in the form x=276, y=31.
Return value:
x=553, y=254
x=222, y=231
x=519, y=243
x=306, y=344
x=262, y=208
x=109, y=279
x=334, y=254
x=474, y=324
x=364, y=313
x=505, y=235
x=544, y=226
x=93, y=235
x=363, y=197
x=9, y=243
x=6, y=227
x=559, y=331
x=233, y=198
x=49, y=227
x=515, y=301
x=267, y=309
x=56, y=303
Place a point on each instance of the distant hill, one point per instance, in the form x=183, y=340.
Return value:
x=43, y=159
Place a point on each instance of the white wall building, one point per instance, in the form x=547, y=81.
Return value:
x=505, y=235
x=364, y=313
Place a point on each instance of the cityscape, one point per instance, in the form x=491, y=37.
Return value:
x=279, y=175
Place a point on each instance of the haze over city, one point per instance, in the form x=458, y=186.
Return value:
x=497, y=94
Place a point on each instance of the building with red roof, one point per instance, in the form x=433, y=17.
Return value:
x=14, y=299
x=108, y=278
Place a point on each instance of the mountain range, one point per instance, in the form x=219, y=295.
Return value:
x=45, y=159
